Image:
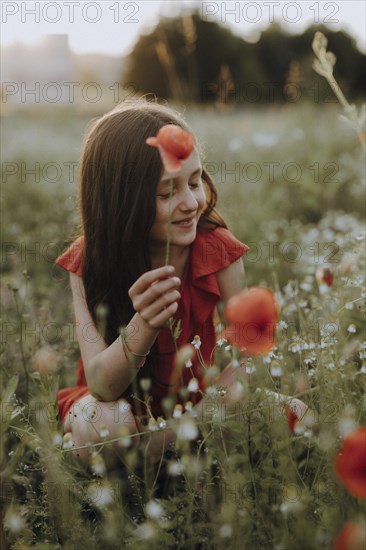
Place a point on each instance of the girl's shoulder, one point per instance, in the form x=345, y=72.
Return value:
x=214, y=250
x=71, y=259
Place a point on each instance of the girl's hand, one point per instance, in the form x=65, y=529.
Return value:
x=154, y=296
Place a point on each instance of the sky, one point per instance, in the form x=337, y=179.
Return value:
x=112, y=27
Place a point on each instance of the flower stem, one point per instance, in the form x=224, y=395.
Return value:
x=169, y=222
x=170, y=321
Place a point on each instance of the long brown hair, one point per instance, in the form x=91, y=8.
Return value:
x=119, y=175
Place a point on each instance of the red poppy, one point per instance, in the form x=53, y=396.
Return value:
x=174, y=145
x=252, y=315
x=352, y=537
x=350, y=463
x=292, y=418
x=324, y=275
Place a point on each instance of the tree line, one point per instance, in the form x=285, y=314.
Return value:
x=189, y=59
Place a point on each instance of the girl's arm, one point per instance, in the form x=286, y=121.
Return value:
x=108, y=371
x=231, y=280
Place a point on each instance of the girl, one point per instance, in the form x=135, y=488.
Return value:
x=118, y=279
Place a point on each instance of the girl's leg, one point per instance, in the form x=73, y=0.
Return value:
x=93, y=421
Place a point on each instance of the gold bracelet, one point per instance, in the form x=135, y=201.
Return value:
x=125, y=347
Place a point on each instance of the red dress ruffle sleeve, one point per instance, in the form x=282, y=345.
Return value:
x=71, y=259
x=209, y=253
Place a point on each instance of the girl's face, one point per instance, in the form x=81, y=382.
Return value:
x=187, y=204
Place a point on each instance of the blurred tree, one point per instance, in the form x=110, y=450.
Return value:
x=192, y=60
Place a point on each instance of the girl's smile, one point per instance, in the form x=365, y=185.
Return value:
x=188, y=222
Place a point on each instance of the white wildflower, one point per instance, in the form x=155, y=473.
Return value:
x=276, y=370
x=351, y=328
x=187, y=429
x=363, y=369
x=324, y=345
x=153, y=425
x=250, y=369
x=267, y=358
x=294, y=347
x=196, y=342
x=282, y=325
x=175, y=468
x=290, y=507
x=161, y=423
x=154, y=509
x=235, y=364
x=100, y=494
x=193, y=385
x=306, y=286
x=291, y=499
x=220, y=342
x=97, y=465
x=68, y=442
x=57, y=440
x=188, y=363
x=178, y=411
x=226, y=531
x=103, y=432
x=299, y=429
x=124, y=437
x=13, y=520
x=123, y=406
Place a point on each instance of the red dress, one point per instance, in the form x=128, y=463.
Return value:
x=210, y=252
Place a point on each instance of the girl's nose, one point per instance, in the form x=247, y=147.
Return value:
x=188, y=200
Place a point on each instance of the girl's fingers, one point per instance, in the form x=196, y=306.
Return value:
x=150, y=277
x=156, y=307
x=154, y=293
x=159, y=320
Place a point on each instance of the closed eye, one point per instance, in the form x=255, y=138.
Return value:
x=196, y=182
x=192, y=184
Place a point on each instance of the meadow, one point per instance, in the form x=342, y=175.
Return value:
x=290, y=182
